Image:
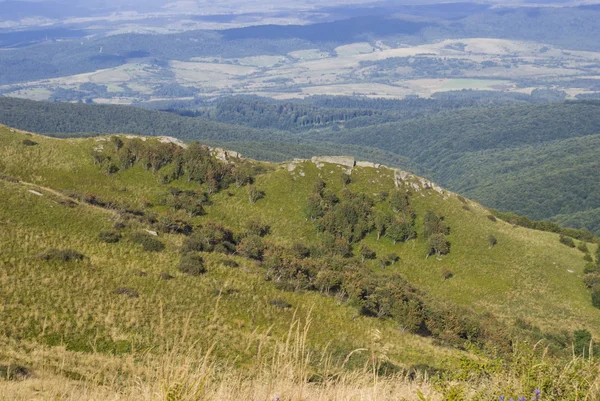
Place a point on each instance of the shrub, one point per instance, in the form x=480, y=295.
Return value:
x=588, y=258
x=492, y=241
x=14, y=372
x=467, y=208
x=596, y=296
x=590, y=268
x=367, y=253
x=65, y=255
x=491, y=217
x=29, y=142
x=568, y=241
x=280, y=303
x=300, y=251
x=148, y=243
x=110, y=237
x=128, y=292
x=583, y=247
x=208, y=237
x=252, y=247
x=591, y=280
x=256, y=227
x=192, y=264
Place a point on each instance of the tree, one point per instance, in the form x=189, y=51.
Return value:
x=401, y=204
x=367, y=253
x=381, y=221
x=432, y=224
x=400, y=231
x=438, y=245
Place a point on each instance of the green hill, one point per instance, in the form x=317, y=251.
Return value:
x=93, y=298
x=498, y=155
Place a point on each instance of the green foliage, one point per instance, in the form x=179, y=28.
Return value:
x=582, y=342
x=492, y=241
x=110, y=237
x=29, y=142
x=438, y=245
x=148, y=242
x=254, y=195
x=251, y=247
x=65, y=255
x=568, y=241
x=367, y=253
x=582, y=246
x=210, y=237
x=592, y=279
x=596, y=296
x=192, y=264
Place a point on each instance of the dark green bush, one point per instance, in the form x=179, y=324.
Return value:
x=590, y=268
x=65, y=255
x=568, y=241
x=148, y=243
x=110, y=237
x=596, y=296
x=29, y=142
x=256, y=227
x=588, y=258
x=252, y=247
x=491, y=217
x=492, y=241
x=191, y=264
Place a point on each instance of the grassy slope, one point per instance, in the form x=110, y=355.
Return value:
x=526, y=274
x=76, y=304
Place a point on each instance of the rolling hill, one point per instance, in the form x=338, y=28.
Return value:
x=138, y=268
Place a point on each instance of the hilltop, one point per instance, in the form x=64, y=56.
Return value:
x=537, y=160
x=131, y=252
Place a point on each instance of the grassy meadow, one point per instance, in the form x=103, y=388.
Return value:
x=125, y=323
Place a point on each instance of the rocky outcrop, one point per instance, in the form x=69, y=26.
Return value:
x=225, y=155
x=347, y=161
x=367, y=164
x=174, y=141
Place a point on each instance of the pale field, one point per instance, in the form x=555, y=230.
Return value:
x=316, y=72
x=354, y=49
x=310, y=54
